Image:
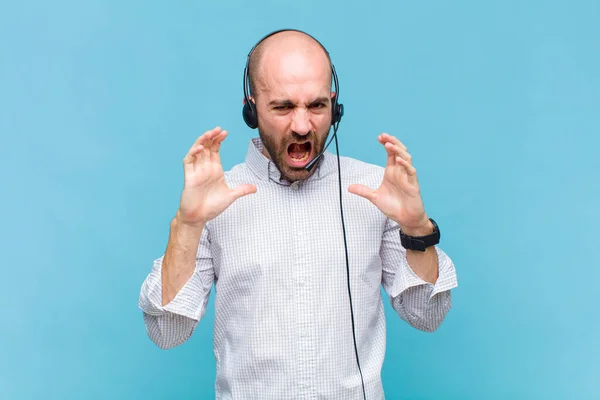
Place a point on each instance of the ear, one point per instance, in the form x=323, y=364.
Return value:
x=333, y=94
x=250, y=97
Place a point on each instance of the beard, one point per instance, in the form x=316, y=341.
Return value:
x=278, y=151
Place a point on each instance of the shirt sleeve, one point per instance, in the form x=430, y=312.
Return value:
x=172, y=324
x=422, y=304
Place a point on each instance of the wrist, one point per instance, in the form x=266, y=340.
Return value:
x=420, y=238
x=185, y=226
x=424, y=228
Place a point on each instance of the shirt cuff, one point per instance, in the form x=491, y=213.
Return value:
x=407, y=278
x=187, y=302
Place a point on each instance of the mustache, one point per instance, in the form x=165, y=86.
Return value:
x=296, y=137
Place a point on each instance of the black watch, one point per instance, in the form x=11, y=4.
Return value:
x=421, y=243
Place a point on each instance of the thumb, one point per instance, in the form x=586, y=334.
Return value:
x=362, y=191
x=242, y=190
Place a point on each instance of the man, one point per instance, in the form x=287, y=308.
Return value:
x=298, y=307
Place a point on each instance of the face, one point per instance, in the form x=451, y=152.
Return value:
x=294, y=111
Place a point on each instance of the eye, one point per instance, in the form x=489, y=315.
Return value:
x=318, y=105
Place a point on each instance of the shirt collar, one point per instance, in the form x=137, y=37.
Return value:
x=265, y=169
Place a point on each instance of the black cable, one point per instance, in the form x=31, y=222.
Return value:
x=347, y=264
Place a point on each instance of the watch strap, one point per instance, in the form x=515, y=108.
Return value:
x=421, y=243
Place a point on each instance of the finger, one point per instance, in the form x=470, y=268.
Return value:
x=196, y=149
x=202, y=156
x=405, y=156
x=207, y=136
x=217, y=140
x=394, y=151
x=242, y=190
x=386, y=137
x=198, y=156
x=190, y=158
x=410, y=170
x=215, y=146
x=389, y=138
x=390, y=155
x=362, y=191
x=390, y=159
x=191, y=155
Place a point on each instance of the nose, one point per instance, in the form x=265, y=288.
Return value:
x=301, y=122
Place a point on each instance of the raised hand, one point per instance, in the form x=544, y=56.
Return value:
x=399, y=195
x=205, y=193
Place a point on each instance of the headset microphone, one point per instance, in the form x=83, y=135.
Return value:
x=312, y=163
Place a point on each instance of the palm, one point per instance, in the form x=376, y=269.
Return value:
x=398, y=196
x=206, y=194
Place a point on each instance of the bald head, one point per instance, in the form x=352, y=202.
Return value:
x=290, y=83
x=289, y=50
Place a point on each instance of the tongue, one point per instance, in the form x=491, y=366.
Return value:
x=298, y=150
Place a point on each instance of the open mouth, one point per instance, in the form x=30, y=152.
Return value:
x=299, y=154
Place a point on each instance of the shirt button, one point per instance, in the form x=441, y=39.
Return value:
x=295, y=185
x=301, y=283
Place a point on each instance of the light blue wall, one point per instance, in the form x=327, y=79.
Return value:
x=499, y=104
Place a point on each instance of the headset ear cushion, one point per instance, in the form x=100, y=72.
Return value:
x=338, y=112
x=249, y=114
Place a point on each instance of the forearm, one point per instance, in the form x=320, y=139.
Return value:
x=418, y=283
x=174, y=295
x=424, y=264
x=180, y=257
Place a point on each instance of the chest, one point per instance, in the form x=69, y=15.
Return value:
x=279, y=232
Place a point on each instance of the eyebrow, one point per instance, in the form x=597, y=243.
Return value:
x=286, y=102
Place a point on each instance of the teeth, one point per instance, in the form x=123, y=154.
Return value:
x=305, y=157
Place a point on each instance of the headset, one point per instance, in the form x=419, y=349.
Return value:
x=249, y=110
x=251, y=119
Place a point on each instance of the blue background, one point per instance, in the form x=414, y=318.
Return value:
x=498, y=102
